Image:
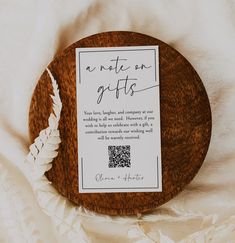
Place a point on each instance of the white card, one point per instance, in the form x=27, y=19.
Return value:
x=119, y=138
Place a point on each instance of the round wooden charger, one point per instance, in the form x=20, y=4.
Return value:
x=185, y=125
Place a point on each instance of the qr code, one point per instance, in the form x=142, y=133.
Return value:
x=119, y=156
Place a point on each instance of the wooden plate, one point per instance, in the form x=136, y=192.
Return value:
x=185, y=125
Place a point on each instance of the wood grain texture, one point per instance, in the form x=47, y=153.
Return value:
x=185, y=125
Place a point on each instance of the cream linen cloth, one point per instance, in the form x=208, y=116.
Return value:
x=33, y=32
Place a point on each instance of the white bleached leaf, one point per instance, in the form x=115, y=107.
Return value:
x=54, y=140
x=43, y=160
x=42, y=152
x=46, y=153
x=33, y=150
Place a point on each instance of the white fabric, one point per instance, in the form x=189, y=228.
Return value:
x=33, y=32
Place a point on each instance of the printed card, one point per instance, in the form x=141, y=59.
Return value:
x=118, y=108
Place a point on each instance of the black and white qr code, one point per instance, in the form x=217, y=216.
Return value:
x=119, y=156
